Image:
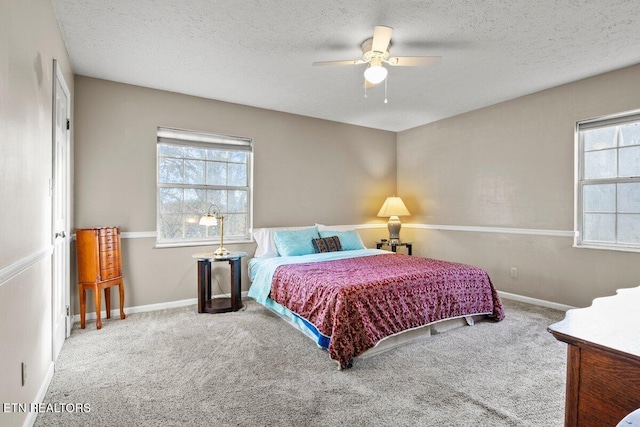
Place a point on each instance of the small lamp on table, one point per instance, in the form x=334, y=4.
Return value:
x=394, y=208
x=211, y=218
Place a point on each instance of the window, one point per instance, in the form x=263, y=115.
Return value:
x=196, y=170
x=608, y=192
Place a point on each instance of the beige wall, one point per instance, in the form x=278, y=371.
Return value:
x=511, y=165
x=305, y=171
x=31, y=40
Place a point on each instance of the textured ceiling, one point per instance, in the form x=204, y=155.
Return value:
x=259, y=52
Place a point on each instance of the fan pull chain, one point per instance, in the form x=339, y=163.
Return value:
x=365, y=89
x=385, y=91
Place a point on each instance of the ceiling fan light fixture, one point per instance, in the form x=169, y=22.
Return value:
x=374, y=74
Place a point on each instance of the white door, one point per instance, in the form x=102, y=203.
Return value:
x=60, y=219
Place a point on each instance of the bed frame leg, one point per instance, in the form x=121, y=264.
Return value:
x=346, y=365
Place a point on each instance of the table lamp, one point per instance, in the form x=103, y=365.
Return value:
x=394, y=208
x=211, y=219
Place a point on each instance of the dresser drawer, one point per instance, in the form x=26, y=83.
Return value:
x=109, y=262
x=109, y=273
x=107, y=231
x=107, y=256
x=108, y=246
x=109, y=238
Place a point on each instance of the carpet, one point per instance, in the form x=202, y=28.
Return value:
x=177, y=367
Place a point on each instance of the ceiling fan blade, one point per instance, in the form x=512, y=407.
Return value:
x=414, y=61
x=350, y=62
x=381, y=38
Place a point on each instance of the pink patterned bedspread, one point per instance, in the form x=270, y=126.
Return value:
x=359, y=301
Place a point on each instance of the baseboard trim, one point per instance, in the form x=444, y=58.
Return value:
x=19, y=266
x=42, y=392
x=502, y=230
x=115, y=313
x=193, y=301
x=138, y=309
x=535, y=301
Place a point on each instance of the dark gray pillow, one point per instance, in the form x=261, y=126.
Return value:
x=326, y=244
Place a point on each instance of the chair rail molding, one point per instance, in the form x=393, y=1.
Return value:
x=133, y=235
x=503, y=230
x=12, y=270
x=468, y=228
x=138, y=234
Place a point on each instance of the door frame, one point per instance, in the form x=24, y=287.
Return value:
x=58, y=78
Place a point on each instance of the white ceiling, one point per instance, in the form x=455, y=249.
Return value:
x=259, y=52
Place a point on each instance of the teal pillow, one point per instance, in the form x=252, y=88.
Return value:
x=295, y=242
x=350, y=240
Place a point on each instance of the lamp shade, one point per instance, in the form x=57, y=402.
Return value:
x=208, y=220
x=393, y=206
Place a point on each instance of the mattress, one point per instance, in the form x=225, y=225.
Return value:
x=349, y=301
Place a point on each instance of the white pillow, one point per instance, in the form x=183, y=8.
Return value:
x=264, y=238
x=322, y=227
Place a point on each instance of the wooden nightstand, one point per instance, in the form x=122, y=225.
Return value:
x=207, y=304
x=394, y=245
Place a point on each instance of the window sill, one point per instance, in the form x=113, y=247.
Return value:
x=607, y=247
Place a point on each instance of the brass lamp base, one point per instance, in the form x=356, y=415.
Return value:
x=221, y=252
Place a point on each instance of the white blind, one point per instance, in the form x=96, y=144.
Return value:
x=603, y=122
x=208, y=140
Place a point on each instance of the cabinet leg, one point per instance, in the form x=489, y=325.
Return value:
x=107, y=301
x=96, y=298
x=83, y=305
x=121, y=288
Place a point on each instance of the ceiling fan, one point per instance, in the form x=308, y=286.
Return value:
x=375, y=52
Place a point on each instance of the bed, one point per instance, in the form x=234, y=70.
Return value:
x=350, y=299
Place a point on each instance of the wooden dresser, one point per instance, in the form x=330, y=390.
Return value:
x=99, y=267
x=603, y=359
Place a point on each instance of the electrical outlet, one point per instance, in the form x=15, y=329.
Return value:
x=24, y=373
x=514, y=272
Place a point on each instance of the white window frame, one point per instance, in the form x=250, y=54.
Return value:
x=197, y=139
x=580, y=181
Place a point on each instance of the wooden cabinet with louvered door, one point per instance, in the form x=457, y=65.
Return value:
x=99, y=267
